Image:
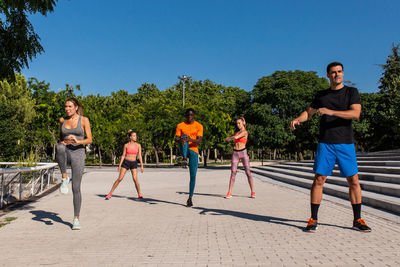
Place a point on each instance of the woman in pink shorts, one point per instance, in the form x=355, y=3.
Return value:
x=240, y=153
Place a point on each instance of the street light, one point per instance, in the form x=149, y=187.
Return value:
x=183, y=79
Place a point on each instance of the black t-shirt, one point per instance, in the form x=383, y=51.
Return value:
x=333, y=129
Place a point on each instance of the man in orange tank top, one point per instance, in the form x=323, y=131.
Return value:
x=189, y=135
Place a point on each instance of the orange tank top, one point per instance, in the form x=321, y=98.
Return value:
x=240, y=140
x=131, y=150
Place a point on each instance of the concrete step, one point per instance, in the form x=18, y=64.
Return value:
x=372, y=186
x=371, y=169
x=369, y=162
x=367, y=176
x=379, y=154
x=376, y=200
x=376, y=158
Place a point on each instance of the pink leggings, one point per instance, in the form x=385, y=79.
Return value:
x=240, y=155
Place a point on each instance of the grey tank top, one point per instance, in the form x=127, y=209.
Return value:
x=77, y=131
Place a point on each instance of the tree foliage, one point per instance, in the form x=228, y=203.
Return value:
x=16, y=113
x=389, y=102
x=277, y=99
x=29, y=113
x=19, y=42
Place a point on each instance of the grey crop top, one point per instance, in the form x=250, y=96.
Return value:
x=77, y=131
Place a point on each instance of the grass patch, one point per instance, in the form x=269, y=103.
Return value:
x=10, y=219
x=7, y=220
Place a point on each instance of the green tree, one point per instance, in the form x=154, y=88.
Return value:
x=389, y=103
x=277, y=99
x=16, y=112
x=365, y=128
x=45, y=124
x=18, y=41
x=159, y=120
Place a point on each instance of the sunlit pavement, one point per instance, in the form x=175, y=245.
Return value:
x=161, y=231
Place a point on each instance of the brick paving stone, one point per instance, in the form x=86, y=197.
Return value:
x=161, y=231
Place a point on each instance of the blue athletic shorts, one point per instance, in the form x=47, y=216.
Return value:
x=342, y=154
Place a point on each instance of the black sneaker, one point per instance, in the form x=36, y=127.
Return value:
x=360, y=225
x=312, y=226
x=184, y=163
x=189, y=202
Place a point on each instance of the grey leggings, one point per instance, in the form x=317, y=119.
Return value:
x=76, y=156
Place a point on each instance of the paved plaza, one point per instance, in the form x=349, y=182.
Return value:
x=161, y=231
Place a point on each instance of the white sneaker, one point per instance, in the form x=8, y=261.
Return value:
x=64, y=186
x=76, y=224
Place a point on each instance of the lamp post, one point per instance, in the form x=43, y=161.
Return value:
x=183, y=79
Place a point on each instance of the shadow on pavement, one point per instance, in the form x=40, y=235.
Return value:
x=256, y=217
x=200, y=194
x=116, y=196
x=249, y=216
x=153, y=201
x=41, y=216
x=244, y=215
x=216, y=167
x=210, y=195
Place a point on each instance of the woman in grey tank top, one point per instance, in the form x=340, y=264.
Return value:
x=72, y=149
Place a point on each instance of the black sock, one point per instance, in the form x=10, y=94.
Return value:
x=356, y=211
x=314, y=211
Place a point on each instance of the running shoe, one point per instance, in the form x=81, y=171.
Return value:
x=140, y=195
x=108, y=196
x=253, y=195
x=312, y=226
x=360, y=225
x=64, y=186
x=184, y=163
x=189, y=202
x=76, y=224
x=229, y=195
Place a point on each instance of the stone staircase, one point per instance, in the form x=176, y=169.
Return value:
x=379, y=175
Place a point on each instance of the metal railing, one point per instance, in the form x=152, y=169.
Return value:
x=24, y=182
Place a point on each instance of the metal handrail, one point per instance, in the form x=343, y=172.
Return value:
x=45, y=171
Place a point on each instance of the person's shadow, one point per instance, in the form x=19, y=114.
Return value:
x=244, y=215
x=48, y=217
x=113, y=196
x=153, y=201
x=250, y=216
x=256, y=217
x=238, y=214
x=209, y=195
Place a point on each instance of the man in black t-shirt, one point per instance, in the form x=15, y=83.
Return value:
x=337, y=106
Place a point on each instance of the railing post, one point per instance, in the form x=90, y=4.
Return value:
x=41, y=180
x=20, y=186
x=48, y=177
x=33, y=184
x=2, y=190
x=52, y=175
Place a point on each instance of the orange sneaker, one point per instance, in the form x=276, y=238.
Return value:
x=312, y=226
x=229, y=195
x=140, y=195
x=253, y=195
x=108, y=196
x=360, y=225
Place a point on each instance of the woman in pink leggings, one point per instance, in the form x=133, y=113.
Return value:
x=240, y=153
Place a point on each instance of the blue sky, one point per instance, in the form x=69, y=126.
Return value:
x=105, y=46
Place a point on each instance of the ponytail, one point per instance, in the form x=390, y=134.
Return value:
x=130, y=132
